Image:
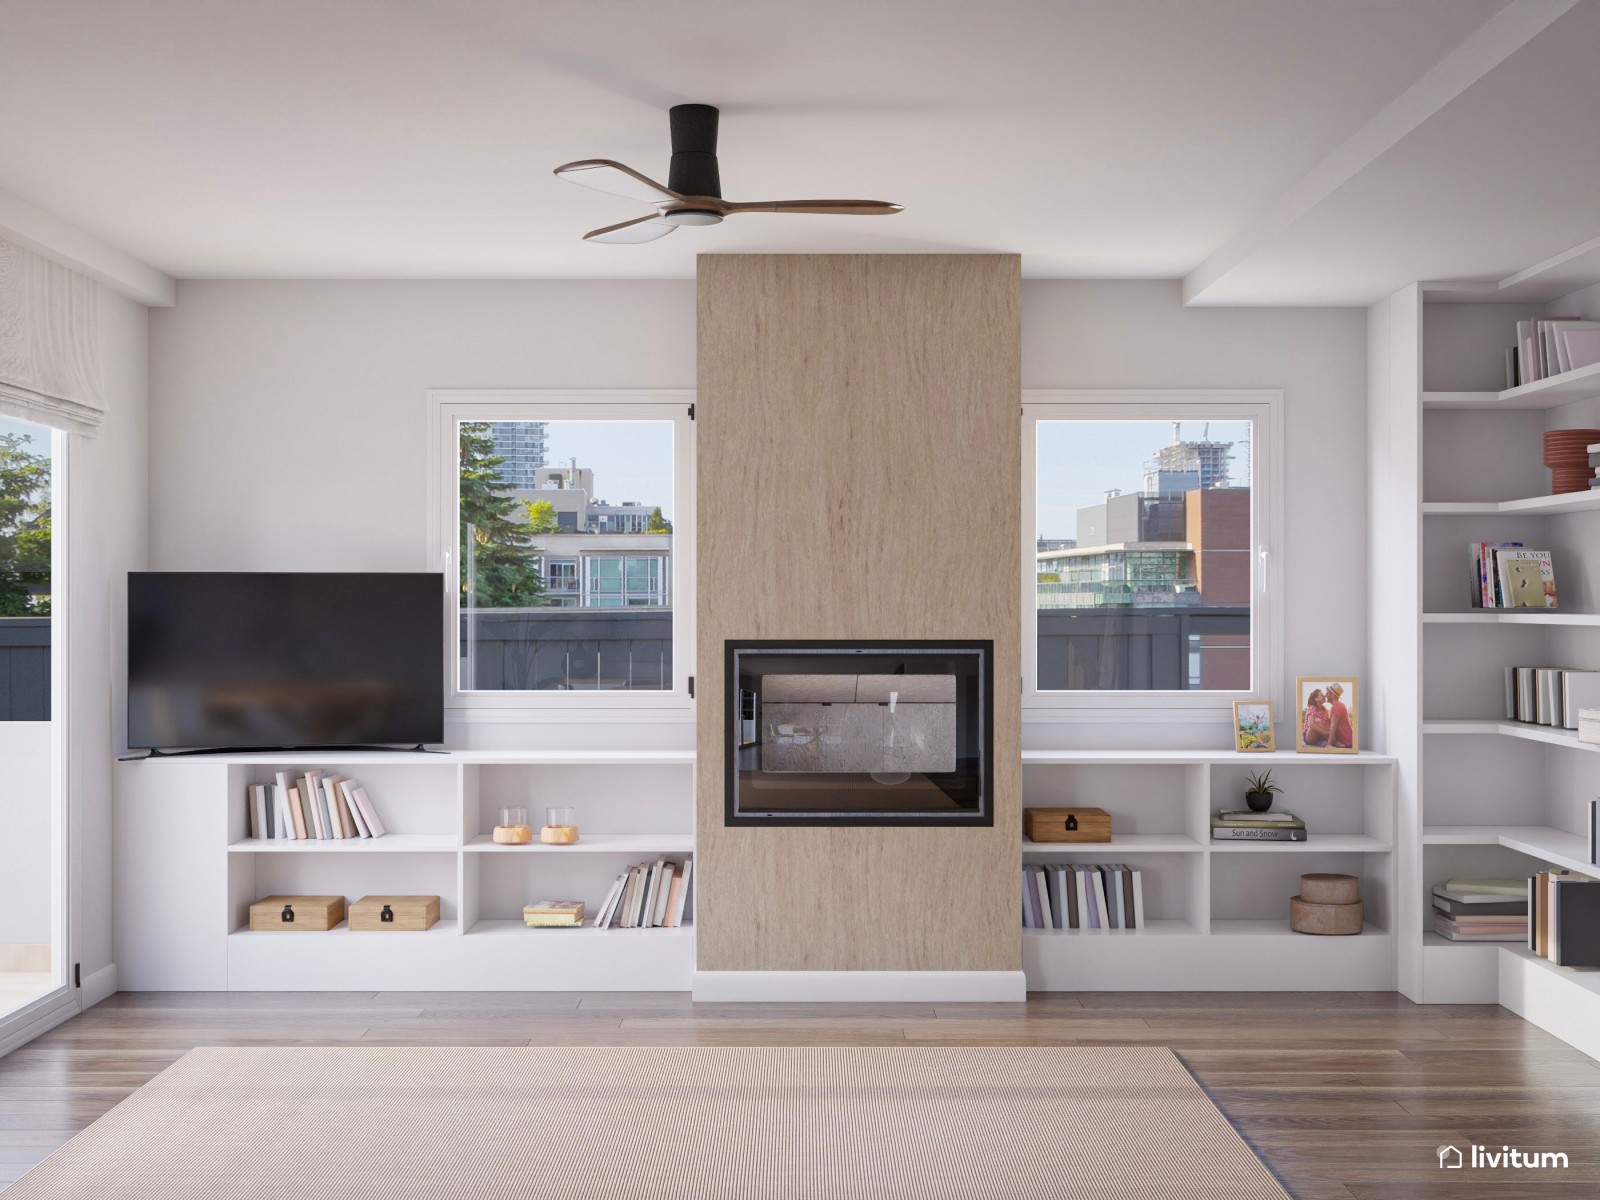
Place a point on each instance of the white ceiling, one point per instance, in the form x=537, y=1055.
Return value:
x=1098, y=138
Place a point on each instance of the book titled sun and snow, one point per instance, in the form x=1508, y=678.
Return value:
x=1509, y=575
x=312, y=807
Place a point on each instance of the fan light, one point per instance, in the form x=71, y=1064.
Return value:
x=690, y=216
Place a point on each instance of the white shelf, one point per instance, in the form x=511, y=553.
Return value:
x=342, y=931
x=1544, y=393
x=1180, y=758
x=1280, y=929
x=594, y=843
x=520, y=929
x=1517, y=729
x=1513, y=616
x=1557, y=846
x=1323, y=843
x=484, y=758
x=1131, y=843
x=389, y=843
x=1532, y=506
x=1151, y=929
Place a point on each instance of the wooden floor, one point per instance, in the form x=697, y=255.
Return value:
x=1345, y=1095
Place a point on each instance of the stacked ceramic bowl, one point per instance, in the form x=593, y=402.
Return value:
x=1566, y=453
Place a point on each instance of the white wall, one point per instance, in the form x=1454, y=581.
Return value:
x=1100, y=334
x=288, y=424
x=106, y=510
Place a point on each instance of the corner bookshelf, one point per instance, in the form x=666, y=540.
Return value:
x=1217, y=912
x=186, y=855
x=1479, y=794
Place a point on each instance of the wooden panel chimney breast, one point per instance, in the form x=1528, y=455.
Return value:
x=858, y=434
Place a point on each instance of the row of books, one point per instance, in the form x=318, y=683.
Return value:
x=1550, y=695
x=650, y=895
x=1481, y=910
x=1082, y=896
x=1509, y=575
x=1549, y=346
x=1564, y=918
x=315, y=806
x=1274, y=825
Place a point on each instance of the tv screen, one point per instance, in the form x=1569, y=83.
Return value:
x=271, y=660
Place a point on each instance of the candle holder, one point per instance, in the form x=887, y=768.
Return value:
x=558, y=827
x=513, y=829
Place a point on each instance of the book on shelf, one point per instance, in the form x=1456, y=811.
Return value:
x=281, y=810
x=1553, y=696
x=1272, y=816
x=1594, y=832
x=1082, y=896
x=1574, y=920
x=554, y=914
x=1548, y=346
x=1481, y=910
x=1283, y=827
x=1508, y=575
x=1457, y=932
x=651, y=895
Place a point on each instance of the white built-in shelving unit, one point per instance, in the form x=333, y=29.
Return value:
x=1455, y=458
x=187, y=872
x=1218, y=912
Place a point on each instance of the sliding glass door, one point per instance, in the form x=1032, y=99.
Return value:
x=33, y=877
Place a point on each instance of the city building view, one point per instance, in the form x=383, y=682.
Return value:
x=1152, y=590
x=563, y=588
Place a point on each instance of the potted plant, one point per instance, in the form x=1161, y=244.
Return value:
x=1258, y=791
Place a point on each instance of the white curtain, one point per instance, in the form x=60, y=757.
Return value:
x=49, y=342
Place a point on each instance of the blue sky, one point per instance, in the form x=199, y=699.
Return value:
x=1080, y=461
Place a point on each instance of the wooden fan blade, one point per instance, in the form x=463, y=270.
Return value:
x=606, y=176
x=845, y=208
x=640, y=229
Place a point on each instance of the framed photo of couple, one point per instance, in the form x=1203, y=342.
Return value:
x=1327, y=714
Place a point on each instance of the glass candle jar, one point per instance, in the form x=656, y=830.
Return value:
x=559, y=828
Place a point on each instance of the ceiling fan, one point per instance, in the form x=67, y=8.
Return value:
x=693, y=195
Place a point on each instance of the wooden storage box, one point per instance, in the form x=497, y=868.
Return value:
x=382, y=914
x=305, y=914
x=1326, y=919
x=1066, y=824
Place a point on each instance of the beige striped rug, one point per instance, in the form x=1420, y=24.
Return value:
x=674, y=1123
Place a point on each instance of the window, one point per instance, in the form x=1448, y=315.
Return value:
x=560, y=517
x=1146, y=565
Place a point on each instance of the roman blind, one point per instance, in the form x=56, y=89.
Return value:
x=49, y=342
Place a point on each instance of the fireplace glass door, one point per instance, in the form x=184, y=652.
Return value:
x=859, y=733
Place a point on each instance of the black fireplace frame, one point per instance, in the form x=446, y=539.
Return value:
x=981, y=818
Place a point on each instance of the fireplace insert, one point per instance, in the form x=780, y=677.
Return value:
x=859, y=733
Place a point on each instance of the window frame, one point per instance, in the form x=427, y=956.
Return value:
x=447, y=407
x=1264, y=407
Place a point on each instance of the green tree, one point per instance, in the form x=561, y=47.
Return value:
x=658, y=523
x=501, y=549
x=542, y=517
x=24, y=529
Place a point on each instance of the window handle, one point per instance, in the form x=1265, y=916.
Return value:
x=1266, y=574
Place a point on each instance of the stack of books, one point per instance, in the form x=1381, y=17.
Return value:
x=1549, y=346
x=1270, y=826
x=648, y=896
x=1082, y=896
x=1550, y=695
x=1509, y=575
x=1564, y=918
x=310, y=807
x=554, y=914
x=1481, y=910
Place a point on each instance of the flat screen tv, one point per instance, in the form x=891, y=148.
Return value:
x=275, y=660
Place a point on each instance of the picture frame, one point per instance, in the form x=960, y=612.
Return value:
x=1335, y=725
x=1253, y=729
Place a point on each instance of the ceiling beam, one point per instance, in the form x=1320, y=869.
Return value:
x=61, y=241
x=1485, y=49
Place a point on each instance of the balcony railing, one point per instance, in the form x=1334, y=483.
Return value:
x=566, y=649
x=24, y=668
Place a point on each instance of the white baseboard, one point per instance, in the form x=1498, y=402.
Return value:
x=97, y=985
x=944, y=987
